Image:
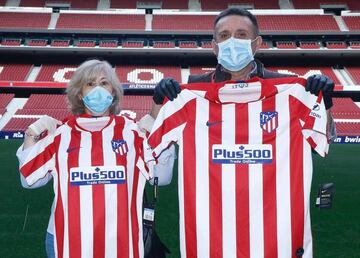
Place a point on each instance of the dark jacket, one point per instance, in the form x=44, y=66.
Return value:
x=219, y=75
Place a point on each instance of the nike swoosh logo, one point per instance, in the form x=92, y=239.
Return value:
x=213, y=123
x=71, y=149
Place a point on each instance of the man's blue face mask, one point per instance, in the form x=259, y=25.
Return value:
x=98, y=100
x=235, y=54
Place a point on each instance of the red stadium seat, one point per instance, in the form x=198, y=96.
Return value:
x=11, y=42
x=81, y=21
x=5, y=100
x=147, y=74
x=355, y=44
x=56, y=73
x=352, y=22
x=264, y=45
x=221, y=5
x=206, y=44
x=345, y=108
x=286, y=44
x=307, y=71
x=32, y=3
x=309, y=44
x=141, y=105
x=297, y=23
x=108, y=43
x=163, y=44
x=24, y=20
x=37, y=42
x=183, y=22
x=59, y=114
x=354, y=73
x=133, y=44
x=14, y=72
x=348, y=128
x=86, y=43
x=18, y=124
x=336, y=44
x=46, y=101
x=74, y=4
x=200, y=69
x=188, y=44
x=60, y=43
x=316, y=4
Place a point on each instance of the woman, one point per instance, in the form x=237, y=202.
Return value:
x=97, y=162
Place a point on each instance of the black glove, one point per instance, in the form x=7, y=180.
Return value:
x=317, y=83
x=167, y=87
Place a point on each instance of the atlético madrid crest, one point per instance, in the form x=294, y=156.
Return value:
x=269, y=121
x=119, y=147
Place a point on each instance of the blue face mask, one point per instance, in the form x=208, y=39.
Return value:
x=98, y=100
x=235, y=54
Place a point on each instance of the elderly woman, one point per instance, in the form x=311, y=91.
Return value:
x=96, y=160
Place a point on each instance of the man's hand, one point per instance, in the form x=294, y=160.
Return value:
x=317, y=83
x=45, y=123
x=167, y=87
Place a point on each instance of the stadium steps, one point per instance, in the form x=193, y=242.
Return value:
x=33, y=73
x=346, y=76
x=286, y=4
x=342, y=25
x=103, y=5
x=14, y=105
x=53, y=21
x=194, y=5
x=13, y=3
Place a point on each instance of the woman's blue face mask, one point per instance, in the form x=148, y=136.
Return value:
x=235, y=54
x=98, y=100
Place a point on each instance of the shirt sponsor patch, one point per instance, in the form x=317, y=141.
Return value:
x=242, y=154
x=97, y=175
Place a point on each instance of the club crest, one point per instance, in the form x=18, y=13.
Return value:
x=120, y=147
x=269, y=121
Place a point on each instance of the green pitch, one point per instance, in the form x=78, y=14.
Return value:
x=24, y=213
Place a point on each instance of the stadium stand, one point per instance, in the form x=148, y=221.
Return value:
x=74, y=4
x=5, y=100
x=307, y=71
x=141, y=105
x=182, y=22
x=220, y=5
x=352, y=22
x=147, y=74
x=309, y=45
x=266, y=23
x=206, y=44
x=108, y=43
x=354, y=73
x=316, y=4
x=56, y=73
x=11, y=42
x=188, y=44
x=2, y=111
x=265, y=45
x=133, y=43
x=163, y=44
x=200, y=69
x=14, y=72
x=3, y=2
x=345, y=108
x=348, y=128
x=179, y=4
x=132, y=4
x=18, y=124
x=297, y=23
x=286, y=44
x=84, y=21
x=24, y=20
x=123, y=4
x=354, y=44
x=336, y=44
x=46, y=101
x=86, y=43
x=59, y=114
x=60, y=43
x=37, y=42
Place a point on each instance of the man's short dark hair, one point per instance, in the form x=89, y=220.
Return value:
x=240, y=12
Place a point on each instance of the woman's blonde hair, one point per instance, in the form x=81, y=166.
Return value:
x=87, y=72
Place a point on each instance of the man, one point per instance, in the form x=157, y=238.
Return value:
x=236, y=40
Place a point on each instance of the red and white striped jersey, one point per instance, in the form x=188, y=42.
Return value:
x=245, y=165
x=99, y=177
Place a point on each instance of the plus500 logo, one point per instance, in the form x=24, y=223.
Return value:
x=242, y=154
x=97, y=175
